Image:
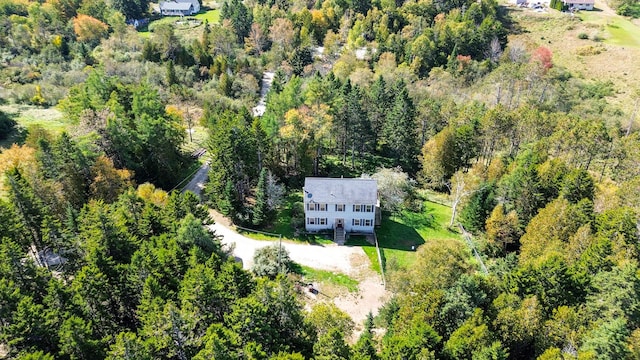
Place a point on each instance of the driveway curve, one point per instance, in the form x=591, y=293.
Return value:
x=326, y=257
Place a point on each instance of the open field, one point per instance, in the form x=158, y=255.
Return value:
x=26, y=115
x=609, y=53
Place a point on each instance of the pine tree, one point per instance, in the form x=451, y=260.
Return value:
x=27, y=205
x=379, y=102
x=260, y=209
x=400, y=135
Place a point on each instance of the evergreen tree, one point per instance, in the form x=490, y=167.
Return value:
x=361, y=6
x=474, y=215
x=378, y=105
x=400, y=135
x=241, y=18
x=28, y=207
x=261, y=208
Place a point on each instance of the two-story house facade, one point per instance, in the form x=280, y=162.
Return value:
x=349, y=205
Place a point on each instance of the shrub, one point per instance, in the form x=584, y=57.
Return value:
x=588, y=50
x=631, y=10
x=583, y=36
x=268, y=261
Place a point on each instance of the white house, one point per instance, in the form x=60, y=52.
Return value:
x=580, y=4
x=179, y=7
x=342, y=205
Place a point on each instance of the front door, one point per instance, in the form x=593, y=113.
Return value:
x=339, y=223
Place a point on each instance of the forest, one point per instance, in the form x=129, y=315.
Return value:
x=102, y=258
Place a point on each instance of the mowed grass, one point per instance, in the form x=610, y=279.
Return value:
x=619, y=30
x=312, y=275
x=400, y=235
x=184, y=28
x=211, y=16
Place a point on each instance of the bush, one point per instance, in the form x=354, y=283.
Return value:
x=269, y=261
x=631, y=10
x=583, y=36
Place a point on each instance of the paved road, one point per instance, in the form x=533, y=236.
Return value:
x=197, y=183
x=327, y=257
x=267, y=80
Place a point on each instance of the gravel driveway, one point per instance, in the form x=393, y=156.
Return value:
x=326, y=257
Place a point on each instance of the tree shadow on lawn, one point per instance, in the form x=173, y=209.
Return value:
x=399, y=236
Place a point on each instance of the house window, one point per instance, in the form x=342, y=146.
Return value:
x=316, y=207
x=317, y=221
x=357, y=208
x=355, y=222
x=311, y=221
x=368, y=222
x=369, y=208
x=322, y=221
x=339, y=207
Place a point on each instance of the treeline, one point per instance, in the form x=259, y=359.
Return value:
x=563, y=278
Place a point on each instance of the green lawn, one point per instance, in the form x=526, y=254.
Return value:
x=621, y=31
x=400, y=236
x=328, y=277
x=212, y=16
x=184, y=26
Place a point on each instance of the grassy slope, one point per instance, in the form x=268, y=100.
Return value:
x=397, y=234
x=619, y=48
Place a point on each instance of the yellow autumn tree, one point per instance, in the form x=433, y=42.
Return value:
x=108, y=182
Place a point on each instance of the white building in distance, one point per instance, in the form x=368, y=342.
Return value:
x=179, y=7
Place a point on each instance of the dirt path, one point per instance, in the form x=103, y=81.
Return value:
x=344, y=259
x=606, y=10
x=327, y=257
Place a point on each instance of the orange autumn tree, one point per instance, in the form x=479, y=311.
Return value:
x=544, y=57
x=89, y=29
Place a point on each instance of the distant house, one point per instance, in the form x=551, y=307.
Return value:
x=579, y=4
x=179, y=7
x=341, y=205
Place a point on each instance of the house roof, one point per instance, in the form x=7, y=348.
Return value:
x=176, y=5
x=338, y=190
